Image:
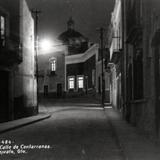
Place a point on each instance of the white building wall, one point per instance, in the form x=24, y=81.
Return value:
x=116, y=21
x=25, y=82
x=115, y=46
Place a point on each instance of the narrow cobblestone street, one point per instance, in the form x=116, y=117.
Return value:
x=73, y=134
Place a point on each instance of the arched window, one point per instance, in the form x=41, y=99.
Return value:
x=52, y=64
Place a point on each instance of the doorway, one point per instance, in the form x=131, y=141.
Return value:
x=59, y=90
x=99, y=85
x=4, y=94
x=45, y=90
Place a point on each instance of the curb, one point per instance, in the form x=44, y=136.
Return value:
x=117, y=139
x=25, y=124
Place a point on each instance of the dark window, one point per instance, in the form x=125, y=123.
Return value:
x=45, y=90
x=138, y=74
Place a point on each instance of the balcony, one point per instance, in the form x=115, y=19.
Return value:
x=10, y=52
x=50, y=73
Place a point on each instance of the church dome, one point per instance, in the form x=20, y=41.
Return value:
x=75, y=41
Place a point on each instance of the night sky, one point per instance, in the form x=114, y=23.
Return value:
x=87, y=14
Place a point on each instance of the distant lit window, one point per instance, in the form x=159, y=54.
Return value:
x=53, y=64
x=80, y=80
x=71, y=83
x=2, y=29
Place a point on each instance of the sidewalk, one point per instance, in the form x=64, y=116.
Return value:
x=7, y=126
x=134, y=145
x=45, y=111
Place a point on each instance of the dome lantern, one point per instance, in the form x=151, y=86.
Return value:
x=70, y=24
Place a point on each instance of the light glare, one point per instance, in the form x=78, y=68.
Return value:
x=46, y=45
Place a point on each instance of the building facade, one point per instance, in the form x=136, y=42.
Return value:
x=17, y=66
x=62, y=76
x=140, y=65
x=81, y=72
x=51, y=76
x=143, y=51
x=115, y=50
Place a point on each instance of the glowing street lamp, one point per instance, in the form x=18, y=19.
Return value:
x=46, y=45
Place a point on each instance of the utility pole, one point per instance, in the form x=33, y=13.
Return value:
x=101, y=30
x=36, y=15
x=124, y=82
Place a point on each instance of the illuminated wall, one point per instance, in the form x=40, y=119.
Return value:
x=25, y=80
